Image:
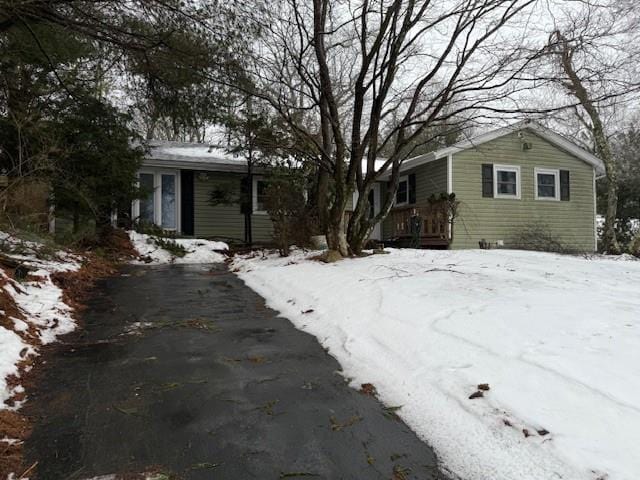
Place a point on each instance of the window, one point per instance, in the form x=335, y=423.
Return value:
x=147, y=210
x=402, y=194
x=168, y=201
x=507, y=181
x=161, y=197
x=371, y=199
x=259, y=195
x=547, y=184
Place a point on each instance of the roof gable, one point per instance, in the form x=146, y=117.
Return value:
x=553, y=138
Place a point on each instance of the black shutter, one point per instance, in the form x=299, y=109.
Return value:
x=565, y=189
x=487, y=180
x=186, y=202
x=412, y=188
x=246, y=202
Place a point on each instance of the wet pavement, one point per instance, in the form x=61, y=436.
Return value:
x=183, y=370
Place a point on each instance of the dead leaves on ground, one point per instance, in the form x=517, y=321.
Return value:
x=336, y=426
x=479, y=393
x=368, y=389
x=390, y=412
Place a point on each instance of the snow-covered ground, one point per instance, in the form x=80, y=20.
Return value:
x=43, y=314
x=198, y=250
x=557, y=338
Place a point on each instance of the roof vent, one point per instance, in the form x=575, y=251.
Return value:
x=527, y=145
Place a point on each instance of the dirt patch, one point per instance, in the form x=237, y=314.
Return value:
x=113, y=244
x=14, y=429
x=77, y=285
x=102, y=256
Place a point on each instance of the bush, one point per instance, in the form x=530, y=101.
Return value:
x=153, y=230
x=286, y=205
x=161, y=238
x=634, y=248
x=171, y=246
x=26, y=204
x=539, y=237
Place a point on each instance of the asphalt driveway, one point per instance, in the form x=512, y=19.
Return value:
x=183, y=370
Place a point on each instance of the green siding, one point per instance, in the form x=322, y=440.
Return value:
x=431, y=179
x=224, y=220
x=572, y=222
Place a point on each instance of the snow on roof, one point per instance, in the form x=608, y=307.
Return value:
x=377, y=165
x=200, y=156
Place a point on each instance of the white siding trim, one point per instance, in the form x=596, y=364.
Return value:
x=552, y=137
x=450, y=173
x=595, y=213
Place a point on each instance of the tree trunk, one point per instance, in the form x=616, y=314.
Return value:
x=360, y=225
x=336, y=235
x=609, y=239
x=76, y=220
x=603, y=149
x=322, y=198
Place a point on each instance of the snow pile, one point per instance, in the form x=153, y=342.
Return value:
x=556, y=338
x=39, y=303
x=198, y=250
x=11, y=344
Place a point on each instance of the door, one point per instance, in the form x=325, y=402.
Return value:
x=161, y=203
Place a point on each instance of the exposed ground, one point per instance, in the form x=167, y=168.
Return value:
x=183, y=370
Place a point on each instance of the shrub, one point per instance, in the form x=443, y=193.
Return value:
x=634, y=248
x=171, y=246
x=539, y=237
x=286, y=205
x=153, y=230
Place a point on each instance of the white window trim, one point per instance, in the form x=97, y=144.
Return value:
x=595, y=213
x=507, y=168
x=157, y=200
x=450, y=173
x=404, y=178
x=254, y=195
x=547, y=171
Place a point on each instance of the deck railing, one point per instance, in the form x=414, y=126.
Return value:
x=434, y=221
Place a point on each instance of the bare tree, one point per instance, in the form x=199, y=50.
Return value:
x=595, y=61
x=339, y=72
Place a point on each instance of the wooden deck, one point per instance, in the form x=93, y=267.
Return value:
x=432, y=220
x=435, y=231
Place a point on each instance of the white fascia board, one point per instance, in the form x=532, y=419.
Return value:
x=202, y=166
x=552, y=137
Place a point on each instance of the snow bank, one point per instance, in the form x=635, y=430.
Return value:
x=555, y=337
x=198, y=250
x=40, y=303
x=10, y=347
